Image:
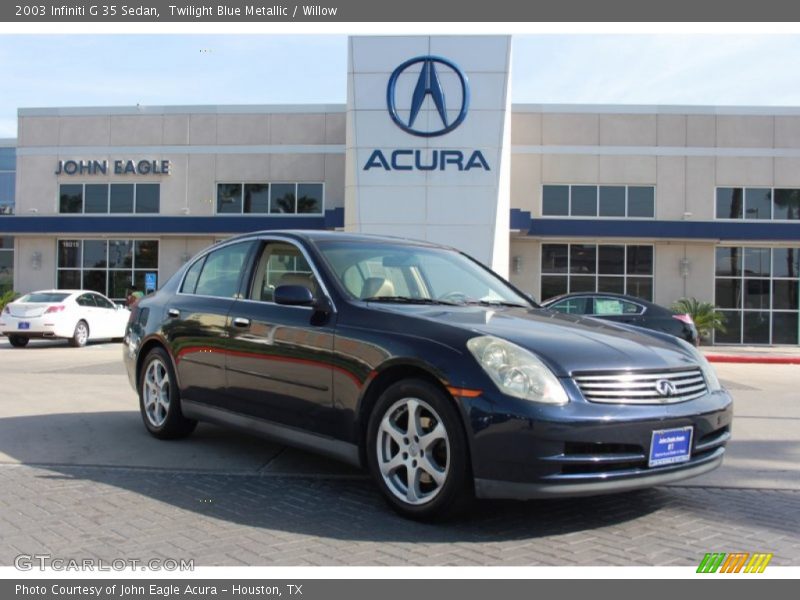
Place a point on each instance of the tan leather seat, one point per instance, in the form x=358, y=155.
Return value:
x=377, y=287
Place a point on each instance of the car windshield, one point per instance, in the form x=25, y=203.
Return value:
x=43, y=297
x=386, y=272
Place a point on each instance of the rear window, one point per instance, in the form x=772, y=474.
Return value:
x=44, y=297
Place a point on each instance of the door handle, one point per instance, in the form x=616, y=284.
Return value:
x=173, y=312
x=241, y=322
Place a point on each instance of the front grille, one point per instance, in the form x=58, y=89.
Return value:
x=642, y=387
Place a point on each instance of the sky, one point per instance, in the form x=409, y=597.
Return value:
x=114, y=70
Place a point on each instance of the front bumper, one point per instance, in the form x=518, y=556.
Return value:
x=622, y=481
x=524, y=450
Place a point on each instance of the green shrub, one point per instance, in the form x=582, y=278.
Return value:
x=705, y=315
x=6, y=297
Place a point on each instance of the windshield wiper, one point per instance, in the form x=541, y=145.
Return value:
x=496, y=303
x=408, y=300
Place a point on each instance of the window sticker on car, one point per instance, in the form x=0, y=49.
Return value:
x=608, y=307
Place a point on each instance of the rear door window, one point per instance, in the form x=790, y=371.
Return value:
x=222, y=271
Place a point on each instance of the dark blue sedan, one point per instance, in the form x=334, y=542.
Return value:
x=422, y=365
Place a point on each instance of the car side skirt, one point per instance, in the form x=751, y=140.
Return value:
x=293, y=437
x=512, y=490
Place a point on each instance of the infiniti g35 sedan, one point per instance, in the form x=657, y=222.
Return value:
x=420, y=364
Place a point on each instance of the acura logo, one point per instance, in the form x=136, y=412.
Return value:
x=428, y=84
x=666, y=388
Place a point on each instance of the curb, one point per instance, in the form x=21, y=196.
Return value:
x=756, y=360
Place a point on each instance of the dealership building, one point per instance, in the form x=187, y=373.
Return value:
x=661, y=202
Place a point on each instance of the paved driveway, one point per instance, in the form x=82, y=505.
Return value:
x=79, y=477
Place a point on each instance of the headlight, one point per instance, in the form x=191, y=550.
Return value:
x=516, y=371
x=712, y=381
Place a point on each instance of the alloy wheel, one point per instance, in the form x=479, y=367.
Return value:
x=413, y=451
x=81, y=333
x=156, y=392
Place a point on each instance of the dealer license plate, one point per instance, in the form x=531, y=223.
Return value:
x=670, y=446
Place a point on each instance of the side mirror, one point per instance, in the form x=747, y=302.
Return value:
x=293, y=295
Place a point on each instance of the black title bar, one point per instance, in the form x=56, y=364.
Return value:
x=440, y=11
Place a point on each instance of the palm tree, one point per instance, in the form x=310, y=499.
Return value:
x=705, y=315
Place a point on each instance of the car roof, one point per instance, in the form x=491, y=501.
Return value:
x=322, y=235
x=68, y=292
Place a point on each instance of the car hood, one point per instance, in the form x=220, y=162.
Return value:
x=566, y=343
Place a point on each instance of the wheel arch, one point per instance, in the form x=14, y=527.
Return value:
x=381, y=381
x=147, y=346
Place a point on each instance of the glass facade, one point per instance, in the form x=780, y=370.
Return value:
x=757, y=290
x=109, y=198
x=270, y=198
x=106, y=266
x=6, y=263
x=8, y=175
x=758, y=203
x=599, y=201
x=620, y=268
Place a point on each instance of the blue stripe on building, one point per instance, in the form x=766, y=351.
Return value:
x=683, y=230
x=160, y=225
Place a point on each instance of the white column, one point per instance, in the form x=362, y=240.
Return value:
x=462, y=202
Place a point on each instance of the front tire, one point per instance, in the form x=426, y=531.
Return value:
x=159, y=398
x=80, y=336
x=18, y=341
x=417, y=451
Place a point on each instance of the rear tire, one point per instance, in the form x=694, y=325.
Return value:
x=18, y=341
x=159, y=398
x=422, y=468
x=80, y=336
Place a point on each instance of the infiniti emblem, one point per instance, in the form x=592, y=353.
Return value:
x=666, y=388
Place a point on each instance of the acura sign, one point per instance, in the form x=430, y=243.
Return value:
x=428, y=85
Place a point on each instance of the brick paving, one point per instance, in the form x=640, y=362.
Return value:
x=258, y=519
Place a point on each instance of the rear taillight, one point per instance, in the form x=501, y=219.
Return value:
x=56, y=308
x=685, y=318
x=6, y=310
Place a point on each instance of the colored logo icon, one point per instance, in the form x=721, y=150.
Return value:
x=429, y=85
x=736, y=562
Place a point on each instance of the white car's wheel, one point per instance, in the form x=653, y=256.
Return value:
x=80, y=336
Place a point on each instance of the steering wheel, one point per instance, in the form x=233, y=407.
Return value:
x=454, y=296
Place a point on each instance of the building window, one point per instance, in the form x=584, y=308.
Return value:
x=619, y=268
x=270, y=198
x=113, y=198
x=106, y=266
x=633, y=201
x=757, y=290
x=6, y=263
x=8, y=166
x=758, y=203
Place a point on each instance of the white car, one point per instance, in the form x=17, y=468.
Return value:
x=76, y=315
